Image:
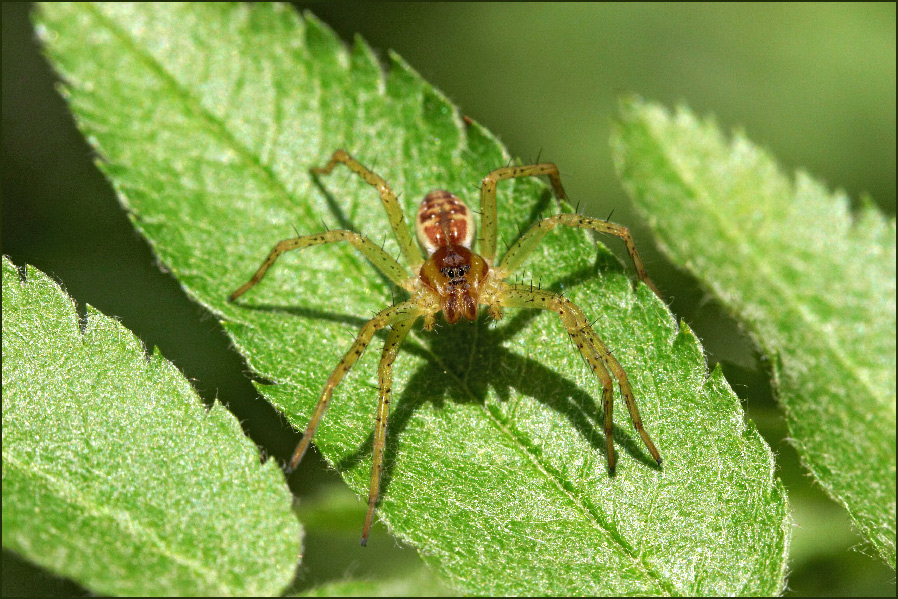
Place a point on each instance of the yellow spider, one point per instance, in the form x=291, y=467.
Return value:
x=456, y=281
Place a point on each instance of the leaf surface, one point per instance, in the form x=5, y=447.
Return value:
x=116, y=475
x=814, y=284
x=208, y=119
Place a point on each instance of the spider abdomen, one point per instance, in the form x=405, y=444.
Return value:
x=443, y=220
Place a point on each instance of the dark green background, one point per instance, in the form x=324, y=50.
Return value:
x=815, y=84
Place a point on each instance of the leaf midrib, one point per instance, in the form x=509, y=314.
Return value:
x=730, y=233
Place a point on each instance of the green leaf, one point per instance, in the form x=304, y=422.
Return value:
x=208, y=118
x=815, y=286
x=115, y=474
x=418, y=585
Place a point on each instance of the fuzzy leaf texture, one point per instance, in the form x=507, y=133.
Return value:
x=814, y=284
x=116, y=475
x=208, y=118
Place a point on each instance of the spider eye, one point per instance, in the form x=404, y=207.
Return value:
x=455, y=272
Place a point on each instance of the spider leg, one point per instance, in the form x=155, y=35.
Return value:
x=488, y=217
x=387, y=197
x=408, y=310
x=528, y=242
x=591, y=347
x=624, y=383
x=385, y=374
x=378, y=257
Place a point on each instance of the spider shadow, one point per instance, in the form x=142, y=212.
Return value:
x=310, y=313
x=537, y=212
x=345, y=223
x=449, y=368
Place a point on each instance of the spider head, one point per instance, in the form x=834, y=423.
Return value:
x=455, y=273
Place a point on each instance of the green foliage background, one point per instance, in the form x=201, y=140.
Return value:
x=815, y=84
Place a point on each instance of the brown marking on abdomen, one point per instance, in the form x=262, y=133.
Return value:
x=443, y=219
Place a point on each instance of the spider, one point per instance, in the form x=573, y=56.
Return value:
x=456, y=281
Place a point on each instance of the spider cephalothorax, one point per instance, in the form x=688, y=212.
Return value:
x=455, y=280
x=456, y=275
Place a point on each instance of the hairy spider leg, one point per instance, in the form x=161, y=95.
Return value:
x=626, y=391
x=591, y=347
x=387, y=197
x=488, y=216
x=408, y=310
x=378, y=257
x=528, y=242
x=385, y=382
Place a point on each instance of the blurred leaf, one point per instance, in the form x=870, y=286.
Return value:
x=816, y=288
x=418, y=585
x=116, y=475
x=330, y=517
x=208, y=118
